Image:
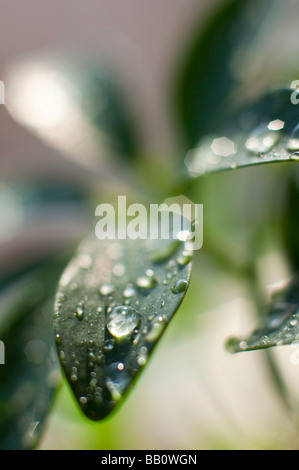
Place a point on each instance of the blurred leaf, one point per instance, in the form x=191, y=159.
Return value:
x=72, y=106
x=279, y=327
x=290, y=224
x=30, y=374
x=114, y=301
x=207, y=76
x=264, y=132
x=113, y=119
x=41, y=221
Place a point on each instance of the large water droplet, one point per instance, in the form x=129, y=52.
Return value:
x=264, y=137
x=179, y=287
x=122, y=321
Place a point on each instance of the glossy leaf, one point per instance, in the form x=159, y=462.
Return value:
x=279, y=327
x=114, y=301
x=30, y=374
x=207, y=75
x=264, y=132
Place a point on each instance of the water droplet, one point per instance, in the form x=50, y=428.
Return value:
x=83, y=400
x=265, y=340
x=243, y=345
x=147, y=282
x=106, y=289
x=292, y=144
x=122, y=321
x=151, y=316
x=93, y=383
x=184, y=258
x=159, y=325
x=129, y=292
x=80, y=311
x=141, y=360
x=62, y=355
x=136, y=339
x=109, y=345
x=58, y=339
x=179, y=287
x=117, y=380
x=263, y=138
x=142, y=357
x=98, y=399
x=276, y=125
x=224, y=147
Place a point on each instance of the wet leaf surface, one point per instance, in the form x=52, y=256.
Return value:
x=114, y=301
x=265, y=132
x=279, y=327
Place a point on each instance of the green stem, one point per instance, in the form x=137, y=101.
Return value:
x=275, y=373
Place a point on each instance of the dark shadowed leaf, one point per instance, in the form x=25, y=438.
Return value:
x=279, y=327
x=264, y=132
x=30, y=374
x=41, y=222
x=291, y=222
x=114, y=301
x=207, y=76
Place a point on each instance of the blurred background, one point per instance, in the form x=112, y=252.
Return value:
x=193, y=394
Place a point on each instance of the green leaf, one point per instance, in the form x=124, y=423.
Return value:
x=29, y=244
x=30, y=374
x=264, y=132
x=114, y=301
x=279, y=327
x=72, y=105
x=290, y=224
x=207, y=75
